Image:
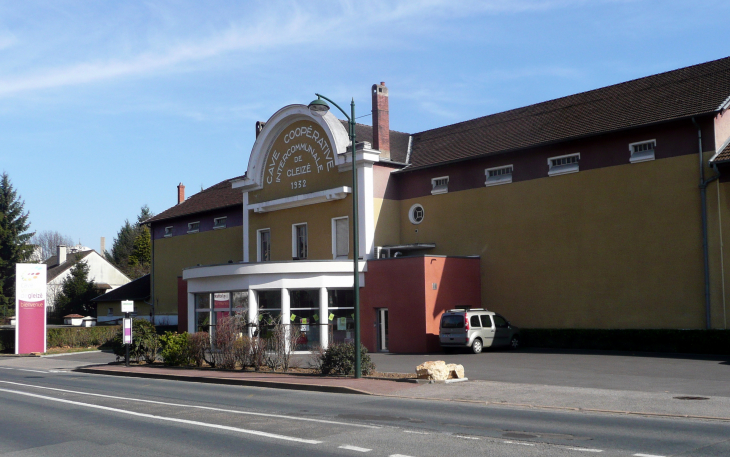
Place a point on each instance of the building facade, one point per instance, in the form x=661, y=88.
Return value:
x=603, y=209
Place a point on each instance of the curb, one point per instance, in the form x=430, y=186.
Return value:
x=230, y=381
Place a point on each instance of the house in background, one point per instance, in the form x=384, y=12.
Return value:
x=105, y=275
x=109, y=305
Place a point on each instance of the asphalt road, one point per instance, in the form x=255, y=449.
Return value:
x=643, y=372
x=49, y=411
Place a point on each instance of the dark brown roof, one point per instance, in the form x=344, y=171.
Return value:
x=689, y=91
x=54, y=269
x=723, y=153
x=398, y=140
x=139, y=289
x=220, y=195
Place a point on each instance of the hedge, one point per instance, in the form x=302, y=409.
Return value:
x=644, y=340
x=75, y=337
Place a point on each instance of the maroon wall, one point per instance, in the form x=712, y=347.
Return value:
x=182, y=305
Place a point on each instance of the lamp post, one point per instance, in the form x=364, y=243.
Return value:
x=320, y=108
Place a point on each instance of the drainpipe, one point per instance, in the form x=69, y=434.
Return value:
x=703, y=198
x=152, y=276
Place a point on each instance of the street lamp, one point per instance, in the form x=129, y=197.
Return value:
x=320, y=108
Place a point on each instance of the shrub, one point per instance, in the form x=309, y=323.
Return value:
x=176, y=349
x=199, y=346
x=145, y=342
x=339, y=359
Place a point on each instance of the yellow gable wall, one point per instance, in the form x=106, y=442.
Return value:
x=300, y=161
x=615, y=247
x=174, y=254
x=318, y=218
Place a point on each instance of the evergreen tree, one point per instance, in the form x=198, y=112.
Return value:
x=77, y=292
x=142, y=249
x=132, y=248
x=14, y=242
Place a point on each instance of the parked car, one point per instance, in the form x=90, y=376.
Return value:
x=477, y=329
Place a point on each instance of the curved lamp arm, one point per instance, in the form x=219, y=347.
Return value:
x=338, y=106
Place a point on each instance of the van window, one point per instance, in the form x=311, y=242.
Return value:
x=486, y=321
x=452, y=321
x=500, y=321
x=475, y=321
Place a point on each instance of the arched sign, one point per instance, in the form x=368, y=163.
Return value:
x=301, y=160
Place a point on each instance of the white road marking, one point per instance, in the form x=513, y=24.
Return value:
x=23, y=369
x=398, y=455
x=583, y=449
x=354, y=448
x=467, y=437
x=517, y=442
x=648, y=455
x=168, y=419
x=278, y=416
x=416, y=432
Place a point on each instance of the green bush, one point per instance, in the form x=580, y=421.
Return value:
x=7, y=340
x=145, y=342
x=645, y=340
x=339, y=359
x=176, y=349
x=81, y=337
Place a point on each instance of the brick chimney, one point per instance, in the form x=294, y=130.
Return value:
x=180, y=193
x=381, y=120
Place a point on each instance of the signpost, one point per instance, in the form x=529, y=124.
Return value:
x=30, y=308
x=127, y=308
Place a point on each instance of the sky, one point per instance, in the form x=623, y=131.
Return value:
x=107, y=106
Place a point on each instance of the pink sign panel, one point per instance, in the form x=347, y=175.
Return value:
x=30, y=308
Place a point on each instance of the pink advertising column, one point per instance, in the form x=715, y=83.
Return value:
x=30, y=308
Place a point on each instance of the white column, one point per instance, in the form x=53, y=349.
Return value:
x=253, y=310
x=191, y=313
x=323, y=317
x=366, y=210
x=286, y=313
x=246, y=249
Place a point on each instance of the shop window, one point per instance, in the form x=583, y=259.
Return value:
x=440, y=185
x=219, y=223
x=341, y=318
x=642, y=151
x=299, y=241
x=340, y=237
x=563, y=164
x=304, y=306
x=193, y=227
x=498, y=175
x=269, y=311
x=264, y=245
x=168, y=232
x=416, y=213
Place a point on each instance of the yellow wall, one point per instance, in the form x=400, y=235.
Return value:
x=616, y=247
x=319, y=228
x=174, y=254
x=718, y=216
x=387, y=221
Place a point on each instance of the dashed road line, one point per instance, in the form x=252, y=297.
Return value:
x=582, y=449
x=467, y=437
x=167, y=419
x=398, y=455
x=517, y=442
x=354, y=448
x=416, y=432
x=647, y=455
x=25, y=369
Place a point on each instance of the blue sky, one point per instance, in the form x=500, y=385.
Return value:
x=106, y=106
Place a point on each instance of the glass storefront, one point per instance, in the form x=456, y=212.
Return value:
x=269, y=302
x=341, y=319
x=304, y=307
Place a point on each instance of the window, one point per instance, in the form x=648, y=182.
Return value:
x=299, y=241
x=440, y=185
x=416, y=213
x=474, y=321
x=110, y=312
x=168, y=232
x=500, y=322
x=498, y=175
x=340, y=237
x=563, y=164
x=219, y=223
x=193, y=227
x=452, y=321
x=486, y=321
x=264, y=243
x=642, y=151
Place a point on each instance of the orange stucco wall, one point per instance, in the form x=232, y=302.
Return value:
x=404, y=285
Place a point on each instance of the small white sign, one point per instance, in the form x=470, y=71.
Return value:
x=127, y=306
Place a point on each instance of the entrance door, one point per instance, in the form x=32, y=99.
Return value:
x=382, y=329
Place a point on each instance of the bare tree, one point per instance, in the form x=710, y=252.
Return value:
x=48, y=240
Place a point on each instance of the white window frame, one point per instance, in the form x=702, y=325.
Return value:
x=217, y=222
x=563, y=169
x=334, y=237
x=259, y=254
x=410, y=213
x=441, y=188
x=499, y=179
x=294, y=241
x=641, y=156
x=168, y=234
x=193, y=230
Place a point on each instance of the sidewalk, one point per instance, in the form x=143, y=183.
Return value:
x=500, y=394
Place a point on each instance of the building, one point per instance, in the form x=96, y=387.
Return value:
x=105, y=275
x=602, y=209
x=109, y=305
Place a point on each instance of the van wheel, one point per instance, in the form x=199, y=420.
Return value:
x=476, y=346
x=515, y=343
